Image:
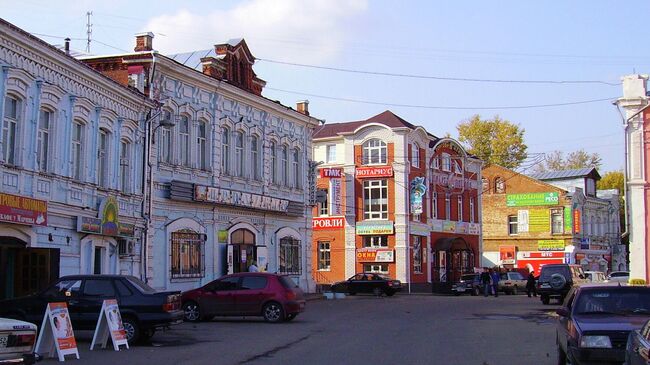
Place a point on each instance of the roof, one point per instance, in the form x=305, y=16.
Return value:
x=566, y=174
x=386, y=118
x=193, y=59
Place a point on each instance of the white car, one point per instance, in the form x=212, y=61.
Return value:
x=619, y=276
x=17, y=342
x=596, y=276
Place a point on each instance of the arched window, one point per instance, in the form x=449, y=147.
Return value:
x=289, y=258
x=78, y=149
x=297, y=177
x=285, y=165
x=415, y=155
x=184, y=139
x=274, y=163
x=239, y=154
x=375, y=152
x=202, y=145
x=446, y=162
x=187, y=254
x=255, y=158
x=45, y=125
x=103, y=170
x=225, y=150
x=10, y=128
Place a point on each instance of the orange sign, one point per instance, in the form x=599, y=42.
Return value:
x=576, y=221
x=375, y=255
x=63, y=333
x=507, y=254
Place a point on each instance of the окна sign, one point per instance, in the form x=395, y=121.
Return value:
x=384, y=171
x=328, y=223
x=375, y=255
x=530, y=199
x=22, y=210
x=381, y=227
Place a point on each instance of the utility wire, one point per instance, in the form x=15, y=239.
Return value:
x=441, y=78
x=440, y=106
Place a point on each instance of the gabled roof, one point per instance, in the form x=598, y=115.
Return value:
x=567, y=174
x=386, y=118
x=193, y=59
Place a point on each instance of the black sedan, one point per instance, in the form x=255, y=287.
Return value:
x=142, y=308
x=368, y=283
x=596, y=319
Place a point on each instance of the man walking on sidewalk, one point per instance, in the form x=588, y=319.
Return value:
x=495, y=276
x=485, y=280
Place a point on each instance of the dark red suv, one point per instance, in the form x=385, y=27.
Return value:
x=275, y=297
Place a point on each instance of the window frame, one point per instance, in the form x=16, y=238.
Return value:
x=472, y=209
x=297, y=176
x=255, y=157
x=417, y=254
x=184, y=129
x=225, y=150
x=290, y=256
x=459, y=212
x=77, y=150
x=274, y=163
x=324, y=260
x=415, y=155
x=445, y=164
x=202, y=145
x=374, y=145
x=11, y=130
x=44, y=140
x=513, y=221
x=284, y=161
x=240, y=164
x=434, y=205
x=125, y=168
x=447, y=207
x=324, y=207
x=372, y=268
x=375, y=241
x=193, y=241
x=330, y=153
x=368, y=187
x=555, y=213
x=103, y=157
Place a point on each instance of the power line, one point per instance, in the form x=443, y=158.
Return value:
x=57, y=36
x=441, y=78
x=440, y=106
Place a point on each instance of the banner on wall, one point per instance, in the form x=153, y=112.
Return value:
x=109, y=325
x=576, y=221
x=522, y=221
x=336, y=194
x=550, y=245
x=539, y=220
x=418, y=189
x=23, y=210
x=531, y=199
x=568, y=223
x=57, y=337
x=507, y=254
x=375, y=255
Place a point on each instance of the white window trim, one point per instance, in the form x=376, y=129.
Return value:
x=330, y=148
x=415, y=155
x=321, y=251
x=460, y=208
x=369, y=215
x=366, y=152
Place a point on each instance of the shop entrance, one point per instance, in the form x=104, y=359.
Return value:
x=244, y=251
x=452, y=257
x=25, y=270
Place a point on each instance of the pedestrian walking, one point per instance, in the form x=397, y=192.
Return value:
x=485, y=281
x=495, y=276
x=530, y=285
x=253, y=267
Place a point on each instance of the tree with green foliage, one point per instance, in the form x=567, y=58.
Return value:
x=495, y=141
x=556, y=161
x=612, y=180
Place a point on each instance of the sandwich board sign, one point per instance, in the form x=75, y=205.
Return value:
x=56, y=333
x=110, y=325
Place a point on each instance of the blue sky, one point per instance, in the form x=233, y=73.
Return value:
x=505, y=40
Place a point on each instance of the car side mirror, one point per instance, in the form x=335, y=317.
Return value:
x=562, y=311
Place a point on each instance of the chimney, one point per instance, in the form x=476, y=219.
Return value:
x=143, y=42
x=67, y=46
x=303, y=107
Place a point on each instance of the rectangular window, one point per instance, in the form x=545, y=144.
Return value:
x=447, y=207
x=239, y=154
x=285, y=165
x=471, y=210
x=166, y=145
x=460, y=208
x=125, y=170
x=102, y=159
x=512, y=225
x=184, y=137
x=202, y=146
x=324, y=252
x=375, y=241
x=187, y=254
x=225, y=151
x=324, y=207
x=77, y=149
x=297, y=177
x=376, y=268
x=43, y=142
x=330, y=151
x=415, y=155
x=417, y=254
x=9, y=129
x=375, y=199
x=446, y=162
x=434, y=205
x=557, y=221
x=274, y=163
x=289, y=256
x=255, y=158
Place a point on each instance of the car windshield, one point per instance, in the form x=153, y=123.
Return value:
x=618, y=301
x=140, y=285
x=548, y=271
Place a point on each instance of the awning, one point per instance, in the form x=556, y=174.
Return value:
x=447, y=243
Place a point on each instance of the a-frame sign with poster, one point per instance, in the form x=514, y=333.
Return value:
x=56, y=334
x=110, y=325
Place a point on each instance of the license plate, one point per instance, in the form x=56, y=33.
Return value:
x=3, y=341
x=460, y=288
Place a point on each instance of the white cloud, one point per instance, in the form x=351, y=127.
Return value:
x=294, y=30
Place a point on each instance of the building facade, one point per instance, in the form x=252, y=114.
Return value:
x=72, y=159
x=229, y=179
x=635, y=118
x=396, y=200
x=554, y=217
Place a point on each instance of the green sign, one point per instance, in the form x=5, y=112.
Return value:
x=222, y=236
x=378, y=227
x=530, y=199
x=568, y=220
x=550, y=245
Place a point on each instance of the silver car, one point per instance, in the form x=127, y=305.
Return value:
x=595, y=276
x=619, y=276
x=17, y=341
x=512, y=282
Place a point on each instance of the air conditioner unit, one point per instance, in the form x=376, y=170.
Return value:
x=126, y=248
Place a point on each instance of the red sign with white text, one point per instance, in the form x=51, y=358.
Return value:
x=22, y=210
x=576, y=221
x=328, y=223
x=383, y=171
x=543, y=255
x=331, y=172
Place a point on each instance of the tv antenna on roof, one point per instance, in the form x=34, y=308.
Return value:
x=89, y=30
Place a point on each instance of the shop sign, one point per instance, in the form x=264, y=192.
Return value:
x=474, y=228
x=126, y=230
x=576, y=221
x=530, y=199
x=539, y=220
x=327, y=223
x=453, y=181
x=449, y=226
x=418, y=230
x=231, y=197
x=450, y=146
x=331, y=172
x=375, y=255
x=543, y=255
x=507, y=254
x=380, y=227
x=23, y=210
x=107, y=224
x=384, y=171
x=436, y=226
x=222, y=236
x=585, y=243
x=57, y=336
x=461, y=227
x=418, y=189
x=550, y=245
x=336, y=194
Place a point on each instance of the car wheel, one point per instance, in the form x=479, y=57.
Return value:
x=273, y=312
x=132, y=329
x=561, y=356
x=377, y=292
x=514, y=290
x=192, y=312
x=290, y=317
x=545, y=299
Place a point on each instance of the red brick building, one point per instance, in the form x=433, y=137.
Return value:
x=395, y=200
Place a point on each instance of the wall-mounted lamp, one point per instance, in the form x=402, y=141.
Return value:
x=67, y=239
x=167, y=123
x=50, y=238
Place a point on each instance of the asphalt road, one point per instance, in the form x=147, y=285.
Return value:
x=405, y=329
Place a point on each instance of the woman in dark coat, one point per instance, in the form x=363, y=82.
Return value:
x=530, y=285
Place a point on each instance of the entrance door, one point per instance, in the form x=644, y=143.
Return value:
x=25, y=270
x=243, y=249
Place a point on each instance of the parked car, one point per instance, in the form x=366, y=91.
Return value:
x=595, y=321
x=143, y=309
x=277, y=298
x=637, y=351
x=595, y=276
x=368, y=283
x=17, y=342
x=619, y=276
x=512, y=282
x=468, y=283
x=555, y=281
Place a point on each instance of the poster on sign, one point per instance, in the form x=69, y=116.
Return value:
x=336, y=194
x=110, y=325
x=56, y=336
